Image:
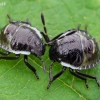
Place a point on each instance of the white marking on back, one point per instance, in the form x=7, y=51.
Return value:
x=20, y=52
x=80, y=68
x=66, y=33
x=38, y=32
x=6, y=28
x=8, y=48
x=69, y=65
x=33, y=28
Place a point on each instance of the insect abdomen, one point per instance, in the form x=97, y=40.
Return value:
x=26, y=39
x=78, y=49
x=68, y=49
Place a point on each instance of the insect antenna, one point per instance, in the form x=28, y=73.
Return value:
x=78, y=28
x=45, y=29
x=86, y=26
x=9, y=17
x=10, y=20
x=27, y=21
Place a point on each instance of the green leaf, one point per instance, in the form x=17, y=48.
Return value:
x=17, y=82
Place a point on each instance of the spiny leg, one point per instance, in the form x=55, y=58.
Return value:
x=10, y=58
x=89, y=76
x=52, y=78
x=79, y=76
x=29, y=66
x=45, y=30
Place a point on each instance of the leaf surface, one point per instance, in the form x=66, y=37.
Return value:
x=17, y=82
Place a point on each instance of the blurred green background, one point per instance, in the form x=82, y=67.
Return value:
x=17, y=82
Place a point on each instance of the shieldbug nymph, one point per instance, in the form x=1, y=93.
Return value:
x=19, y=37
x=75, y=49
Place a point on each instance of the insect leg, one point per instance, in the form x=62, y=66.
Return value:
x=10, y=58
x=60, y=73
x=79, y=76
x=29, y=66
x=52, y=78
x=45, y=35
x=44, y=66
x=89, y=76
x=5, y=53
